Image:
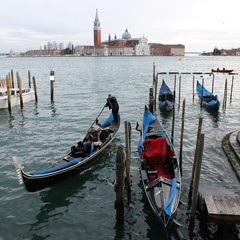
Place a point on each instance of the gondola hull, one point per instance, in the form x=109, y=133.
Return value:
x=165, y=97
x=159, y=168
x=66, y=167
x=206, y=98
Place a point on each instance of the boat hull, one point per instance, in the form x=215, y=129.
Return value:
x=206, y=98
x=66, y=167
x=165, y=97
x=15, y=99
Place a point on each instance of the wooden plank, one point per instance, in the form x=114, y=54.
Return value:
x=223, y=209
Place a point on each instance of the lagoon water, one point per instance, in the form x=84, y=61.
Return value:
x=82, y=207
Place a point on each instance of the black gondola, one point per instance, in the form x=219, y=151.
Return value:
x=160, y=172
x=78, y=159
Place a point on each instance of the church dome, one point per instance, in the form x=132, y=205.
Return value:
x=126, y=35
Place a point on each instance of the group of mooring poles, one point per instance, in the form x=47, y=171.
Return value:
x=10, y=84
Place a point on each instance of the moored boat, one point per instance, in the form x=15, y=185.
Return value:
x=81, y=157
x=160, y=171
x=27, y=95
x=207, y=98
x=165, y=97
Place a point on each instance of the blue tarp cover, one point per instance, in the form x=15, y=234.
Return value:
x=168, y=205
x=57, y=168
x=164, y=89
x=202, y=91
x=147, y=119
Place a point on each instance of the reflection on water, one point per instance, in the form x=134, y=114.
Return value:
x=57, y=200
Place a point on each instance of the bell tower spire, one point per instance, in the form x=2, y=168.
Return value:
x=97, y=31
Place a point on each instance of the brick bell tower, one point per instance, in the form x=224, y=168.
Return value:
x=97, y=31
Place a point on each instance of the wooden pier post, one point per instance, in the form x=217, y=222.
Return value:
x=155, y=92
x=231, y=89
x=173, y=117
x=52, y=80
x=213, y=82
x=119, y=186
x=196, y=179
x=35, y=89
x=19, y=81
x=195, y=156
x=8, y=93
x=29, y=79
x=181, y=138
x=193, y=87
x=128, y=157
x=225, y=96
x=174, y=89
x=151, y=100
x=202, y=90
x=179, y=90
x=12, y=78
x=154, y=73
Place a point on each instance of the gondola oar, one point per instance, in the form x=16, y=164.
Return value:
x=97, y=116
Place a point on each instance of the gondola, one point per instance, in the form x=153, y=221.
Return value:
x=160, y=171
x=165, y=97
x=207, y=99
x=79, y=158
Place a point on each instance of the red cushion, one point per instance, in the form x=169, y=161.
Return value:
x=155, y=150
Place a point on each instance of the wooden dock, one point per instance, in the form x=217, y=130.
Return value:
x=223, y=209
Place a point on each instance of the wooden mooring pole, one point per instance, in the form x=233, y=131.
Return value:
x=12, y=78
x=181, y=138
x=231, y=89
x=196, y=179
x=119, y=185
x=179, y=92
x=151, y=100
x=225, y=96
x=195, y=156
x=29, y=79
x=173, y=118
x=8, y=93
x=155, y=92
x=52, y=80
x=128, y=157
x=35, y=89
x=193, y=85
x=19, y=81
x=213, y=83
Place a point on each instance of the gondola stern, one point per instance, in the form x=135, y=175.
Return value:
x=18, y=169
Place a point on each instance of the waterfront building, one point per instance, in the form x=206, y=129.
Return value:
x=124, y=46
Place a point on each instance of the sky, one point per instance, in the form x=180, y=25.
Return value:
x=199, y=25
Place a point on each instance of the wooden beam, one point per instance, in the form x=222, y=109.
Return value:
x=223, y=209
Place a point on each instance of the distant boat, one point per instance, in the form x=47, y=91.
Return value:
x=222, y=70
x=165, y=97
x=27, y=95
x=207, y=98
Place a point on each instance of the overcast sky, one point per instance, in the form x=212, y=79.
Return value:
x=200, y=25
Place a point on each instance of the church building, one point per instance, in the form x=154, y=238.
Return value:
x=125, y=46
